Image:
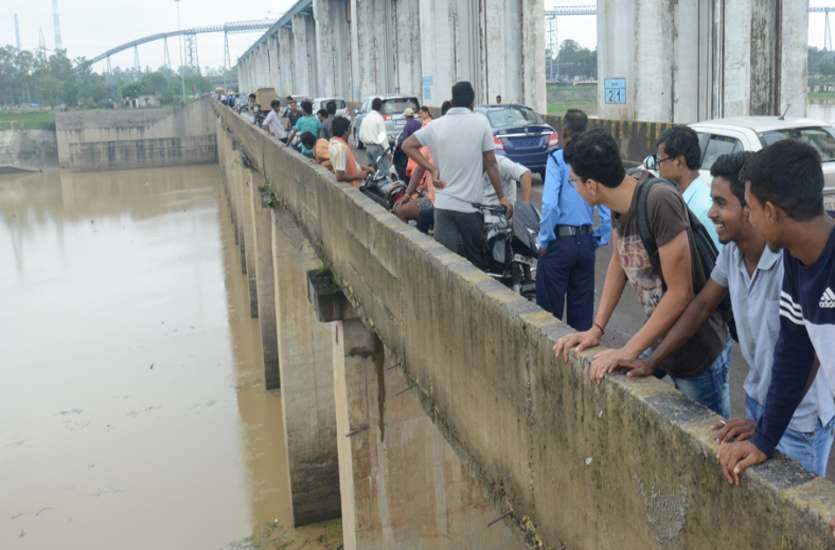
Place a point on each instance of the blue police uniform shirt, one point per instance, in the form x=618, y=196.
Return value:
x=563, y=205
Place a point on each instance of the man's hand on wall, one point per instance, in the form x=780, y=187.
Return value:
x=735, y=458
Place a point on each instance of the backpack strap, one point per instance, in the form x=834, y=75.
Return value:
x=644, y=229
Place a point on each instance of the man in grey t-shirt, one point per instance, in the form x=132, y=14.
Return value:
x=463, y=148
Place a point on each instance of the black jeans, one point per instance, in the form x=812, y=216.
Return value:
x=461, y=232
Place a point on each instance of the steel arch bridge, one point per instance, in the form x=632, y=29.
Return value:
x=237, y=27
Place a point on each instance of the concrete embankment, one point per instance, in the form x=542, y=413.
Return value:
x=106, y=140
x=628, y=464
x=26, y=150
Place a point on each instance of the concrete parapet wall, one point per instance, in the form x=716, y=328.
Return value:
x=104, y=140
x=626, y=464
x=28, y=149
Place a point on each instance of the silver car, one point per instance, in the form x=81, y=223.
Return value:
x=752, y=133
x=392, y=111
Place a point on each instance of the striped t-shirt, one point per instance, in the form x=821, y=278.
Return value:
x=807, y=329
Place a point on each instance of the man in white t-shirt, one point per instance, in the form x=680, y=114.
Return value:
x=462, y=146
x=273, y=123
x=512, y=173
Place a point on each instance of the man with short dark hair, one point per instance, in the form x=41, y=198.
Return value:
x=291, y=112
x=342, y=160
x=273, y=123
x=462, y=146
x=305, y=123
x=374, y=137
x=784, y=192
x=567, y=238
x=330, y=110
x=699, y=368
x=305, y=145
x=678, y=158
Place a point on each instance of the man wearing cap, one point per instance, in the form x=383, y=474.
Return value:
x=400, y=158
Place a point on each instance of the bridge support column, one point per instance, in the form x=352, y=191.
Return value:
x=333, y=47
x=402, y=485
x=304, y=47
x=286, y=72
x=306, y=378
x=245, y=212
x=369, y=47
x=265, y=280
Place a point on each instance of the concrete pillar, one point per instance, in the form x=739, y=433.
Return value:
x=402, y=484
x=532, y=58
x=306, y=367
x=404, y=21
x=435, y=52
x=287, y=77
x=304, y=47
x=370, y=47
x=274, y=63
x=688, y=61
x=498, y=45
x=265, y=281
x=333, y=47
x=245, y=212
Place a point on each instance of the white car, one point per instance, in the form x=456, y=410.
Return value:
x=752, y=133
x=342, y=108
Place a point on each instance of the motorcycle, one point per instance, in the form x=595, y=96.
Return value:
x=258, y=115
x=511, y=248
x=383, y=187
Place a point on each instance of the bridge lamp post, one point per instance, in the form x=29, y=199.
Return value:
x=180, y=36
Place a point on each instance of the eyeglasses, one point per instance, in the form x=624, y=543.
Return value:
x=658, y=161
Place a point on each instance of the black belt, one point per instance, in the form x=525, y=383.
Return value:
x=571, y=230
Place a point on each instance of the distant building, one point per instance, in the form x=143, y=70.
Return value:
x=144, y=101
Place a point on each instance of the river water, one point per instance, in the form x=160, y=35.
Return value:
x=132, y=407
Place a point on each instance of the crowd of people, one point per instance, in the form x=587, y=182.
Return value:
x=775, y=264
x=749, y=255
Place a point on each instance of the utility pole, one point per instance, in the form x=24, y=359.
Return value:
x=182, y=74
x=41, y=43
x=56, y=23
x=17, y=32
x=166, y=55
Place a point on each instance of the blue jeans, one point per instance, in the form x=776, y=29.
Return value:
x=565, y=279
x=811, y=449
x=709, y=388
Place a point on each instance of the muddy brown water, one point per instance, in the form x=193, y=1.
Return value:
x=132, y=407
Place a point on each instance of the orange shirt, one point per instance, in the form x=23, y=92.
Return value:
x=342, y=158
x=321, y=153
x=426, y=181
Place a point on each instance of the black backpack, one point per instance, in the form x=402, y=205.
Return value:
x=705, y=248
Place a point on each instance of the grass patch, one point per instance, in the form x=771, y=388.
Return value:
x=821, y=96
x=27, y=120
x=563, y=97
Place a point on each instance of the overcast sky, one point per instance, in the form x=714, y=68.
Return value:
x=90, y=27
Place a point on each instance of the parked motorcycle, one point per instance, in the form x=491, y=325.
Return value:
x=384, y=188
x=511, y=248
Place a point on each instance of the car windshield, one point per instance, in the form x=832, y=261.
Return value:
x=512, y=116
x=821, y=138
x=397, y=106
x=340, y=104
